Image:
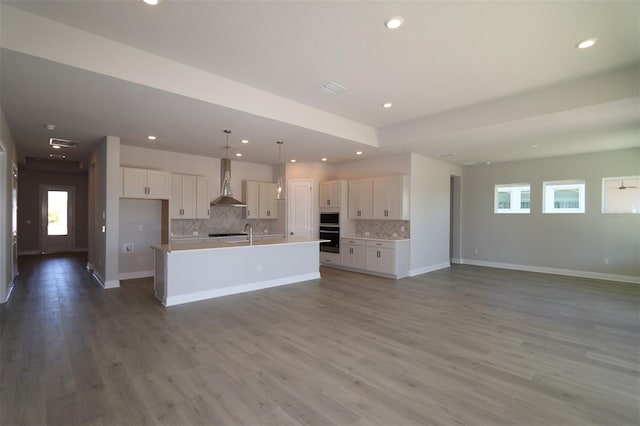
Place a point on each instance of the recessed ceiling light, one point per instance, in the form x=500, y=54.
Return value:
x=584, y=44
x=151, y=2
x=535, y=146
x=50, y=126
x=244, y=141
x=238, y=154
x=56, y=146
x=358, y=152
x=394, y=22
x=293, y=160
x=387, y=105
x=323, y=159
x=151, y=138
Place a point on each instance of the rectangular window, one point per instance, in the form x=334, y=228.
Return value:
x=621, y=195
x=564, y=197
x=57, y=212
x=512, y=198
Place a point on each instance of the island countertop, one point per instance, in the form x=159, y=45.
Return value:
x=207, y=245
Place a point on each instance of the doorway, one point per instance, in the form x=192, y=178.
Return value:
x=300, y=215
x=57, y=205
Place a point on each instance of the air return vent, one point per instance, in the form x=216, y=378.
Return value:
x=63, y=143
x=332, y=88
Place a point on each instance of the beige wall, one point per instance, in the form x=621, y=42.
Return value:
x=8, y=160
x=575, y=243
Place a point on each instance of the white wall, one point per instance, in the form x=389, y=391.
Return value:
x=141, y=225
x=430, y=213
x=8, y=159
x=575, y=244
x=375, y=167
x=104, y=189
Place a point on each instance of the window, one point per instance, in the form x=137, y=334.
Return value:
x=563, y=197
x=513, y=198
x=57, y=212
x=621, y=195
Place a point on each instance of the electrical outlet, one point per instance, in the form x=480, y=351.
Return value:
x=606, y=261
x=127, y=248
x=140, y=227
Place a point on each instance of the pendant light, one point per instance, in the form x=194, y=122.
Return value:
x=279, y=183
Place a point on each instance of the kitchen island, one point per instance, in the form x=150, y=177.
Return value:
x=191, y=271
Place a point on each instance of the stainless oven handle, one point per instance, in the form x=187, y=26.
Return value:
x=329, y=232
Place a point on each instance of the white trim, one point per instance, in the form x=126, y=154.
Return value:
x=9, y=291
x=456, y=260
x=135, y=274
x=557, y=271
x=243, y=288
x=104, y=284
x=430, y=268
x=28, y=252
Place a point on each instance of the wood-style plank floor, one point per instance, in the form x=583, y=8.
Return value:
x=461, y=346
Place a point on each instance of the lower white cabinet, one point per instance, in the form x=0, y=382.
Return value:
x=352, y=253
x=389, y=258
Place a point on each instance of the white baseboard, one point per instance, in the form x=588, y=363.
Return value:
x=105, y=284
x=243, y=288
x=134, y=275
x=430, y=268
x=556, y=271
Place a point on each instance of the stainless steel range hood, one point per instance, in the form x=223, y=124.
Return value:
x=226, y=198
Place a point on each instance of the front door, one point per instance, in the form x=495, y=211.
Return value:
x=299, y=193
x=57, y=231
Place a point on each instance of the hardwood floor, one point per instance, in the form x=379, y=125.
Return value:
x=462, y=346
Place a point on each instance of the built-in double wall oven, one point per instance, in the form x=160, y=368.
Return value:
x=330, y=230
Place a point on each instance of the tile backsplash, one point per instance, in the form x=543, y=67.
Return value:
x=388, y=229
x=223, y=219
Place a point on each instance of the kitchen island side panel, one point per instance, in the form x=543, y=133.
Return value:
x=203, y=274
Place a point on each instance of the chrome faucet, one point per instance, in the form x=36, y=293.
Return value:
x=249, y=228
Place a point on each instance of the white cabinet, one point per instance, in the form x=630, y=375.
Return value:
x=380, y=257
x=391, y=198
x=330, y=193
x=360, y=199
x=189, y=197
x=202, y=198
x=352, y=253
x=388, y=258
x=260, y=198
x=381, y=198
x=142, y=183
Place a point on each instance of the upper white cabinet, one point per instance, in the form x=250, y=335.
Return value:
x=202, y=198
x=381, y=198
x=142, y=183
x=330, y=193
x=391, y=198
x=361, y=199
x=261, y=200
x=189, y=197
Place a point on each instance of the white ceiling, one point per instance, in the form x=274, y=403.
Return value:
x=481, y=80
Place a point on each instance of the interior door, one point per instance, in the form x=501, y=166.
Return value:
x=300, y=215
x=57, y=222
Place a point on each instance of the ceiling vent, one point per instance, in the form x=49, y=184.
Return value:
x=332, y=88
x=63, y=143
